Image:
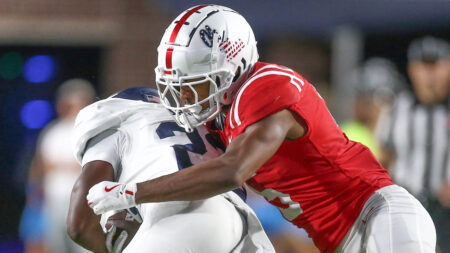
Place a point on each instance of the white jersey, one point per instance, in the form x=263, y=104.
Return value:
x=147, y=146
x=139, y=138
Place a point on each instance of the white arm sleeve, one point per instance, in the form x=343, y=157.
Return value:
x=106, y=146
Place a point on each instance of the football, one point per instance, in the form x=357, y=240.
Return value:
x=123, y=221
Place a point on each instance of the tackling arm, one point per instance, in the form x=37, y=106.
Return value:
x=248, y=152
x=82, y=224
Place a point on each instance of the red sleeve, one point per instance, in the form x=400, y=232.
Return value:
x=262, y=97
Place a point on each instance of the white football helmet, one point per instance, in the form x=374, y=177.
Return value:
x=206, y=43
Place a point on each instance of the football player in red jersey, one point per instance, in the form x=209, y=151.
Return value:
x=281, y=141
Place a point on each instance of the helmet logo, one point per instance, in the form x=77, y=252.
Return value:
x=230, y=48
x=207, y=35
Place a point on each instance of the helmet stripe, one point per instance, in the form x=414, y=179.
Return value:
x=169, y=58
x=183, y=19
x=174, y=35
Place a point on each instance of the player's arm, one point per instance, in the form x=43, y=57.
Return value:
x=82, y=224
x=248, y=152
x=243, y=157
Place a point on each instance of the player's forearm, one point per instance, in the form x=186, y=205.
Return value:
x=248, y=152
x=243, y=157
x=200, y=181
x=92, y=239
x=82, y=225
x=87, y=233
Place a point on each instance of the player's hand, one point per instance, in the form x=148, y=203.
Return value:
x=121, y=228
x=106, y=196
x=115, y=239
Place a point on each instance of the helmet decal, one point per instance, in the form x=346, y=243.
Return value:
x=244, y=63
x=181, y=22
x=207, y=35
x=168, y=59
x=174, y=34
x=233, y=48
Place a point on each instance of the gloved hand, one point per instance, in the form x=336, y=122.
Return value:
x=106, y=196
x=120, y=228
x=115, y=239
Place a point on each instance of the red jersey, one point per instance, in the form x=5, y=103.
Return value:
x=321, y=181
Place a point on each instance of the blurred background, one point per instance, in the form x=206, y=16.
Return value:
x=354, y=52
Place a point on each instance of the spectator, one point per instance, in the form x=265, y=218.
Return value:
x=376, y=82
x=52, y=174
x=417, y=133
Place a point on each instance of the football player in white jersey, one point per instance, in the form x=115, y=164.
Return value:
x=130, y=137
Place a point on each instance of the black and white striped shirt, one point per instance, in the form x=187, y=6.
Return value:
x=419, y=136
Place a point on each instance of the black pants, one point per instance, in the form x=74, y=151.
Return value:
x=441, y=219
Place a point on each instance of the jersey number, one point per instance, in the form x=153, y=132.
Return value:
x=197, y=145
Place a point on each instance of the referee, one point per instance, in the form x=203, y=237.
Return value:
x=417, y=134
